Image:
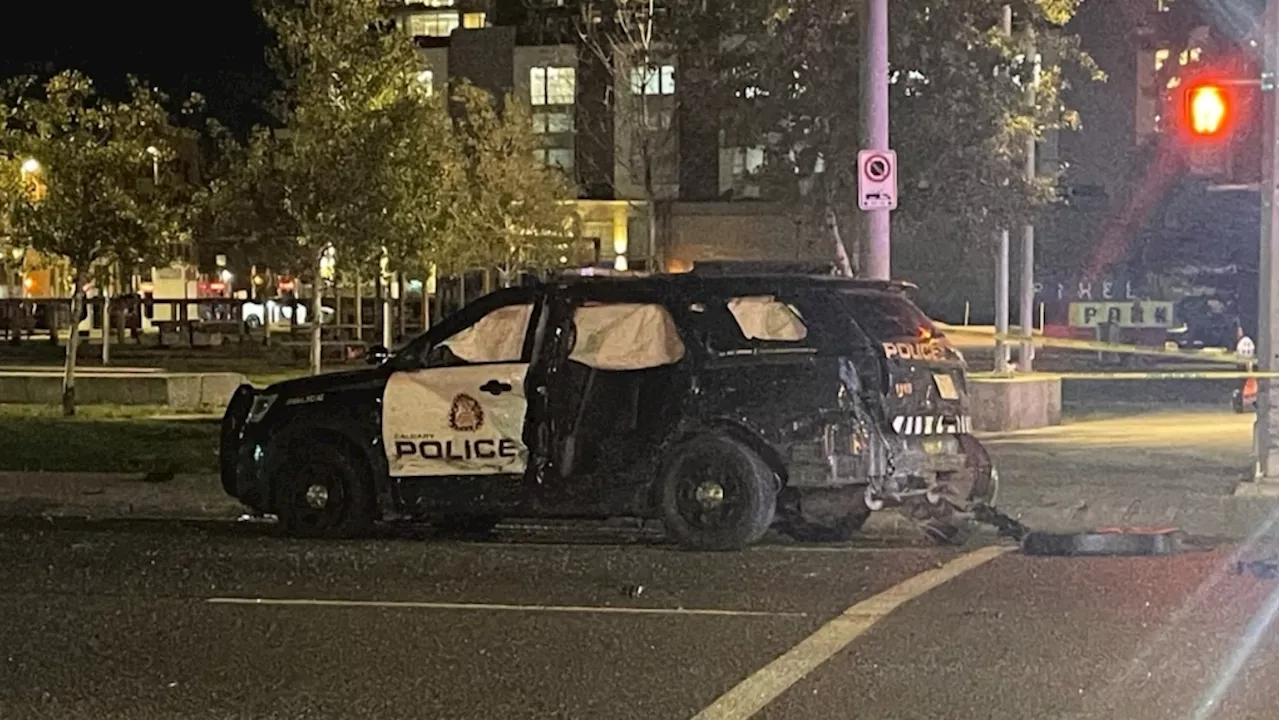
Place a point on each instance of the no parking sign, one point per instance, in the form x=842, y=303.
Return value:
x=877, y=180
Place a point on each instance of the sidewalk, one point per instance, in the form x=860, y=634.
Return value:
x=1157, y=468
x=1154, y=468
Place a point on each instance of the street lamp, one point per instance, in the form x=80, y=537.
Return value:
x=154, y=152
x=30, y=166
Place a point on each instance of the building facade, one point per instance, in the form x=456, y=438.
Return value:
x=629, y=138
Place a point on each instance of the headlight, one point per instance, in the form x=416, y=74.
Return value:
x=261, y=405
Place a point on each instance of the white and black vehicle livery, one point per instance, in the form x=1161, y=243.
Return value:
x=721, y=401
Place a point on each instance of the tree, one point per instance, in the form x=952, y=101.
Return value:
x=352, y=166
x=96, y=209
x=509, y=211
x=959, y=120
x=635, y=46
x=94, y=212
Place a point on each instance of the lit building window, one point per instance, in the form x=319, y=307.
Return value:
x=433, y=24
x=653, y=80
x=552, y=85
x=473, y=20
x=555, y=157
x=552, y=122
x=427, y=79
x=1188, y=56
x=746, y=162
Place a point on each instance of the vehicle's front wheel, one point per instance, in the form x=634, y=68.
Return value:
x=320, y=493
x=717, y=494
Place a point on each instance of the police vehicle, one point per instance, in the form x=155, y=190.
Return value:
x=722, y=401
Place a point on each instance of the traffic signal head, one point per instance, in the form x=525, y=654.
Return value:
x=1208, y=110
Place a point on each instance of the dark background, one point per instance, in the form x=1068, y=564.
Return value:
x=215, y=48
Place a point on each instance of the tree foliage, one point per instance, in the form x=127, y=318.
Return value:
x=358, y=161
x=508, y=211
x=959, y=117
x=94, y=204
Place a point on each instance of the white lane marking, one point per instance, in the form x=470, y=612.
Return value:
x=500, y=607
x=753, y=694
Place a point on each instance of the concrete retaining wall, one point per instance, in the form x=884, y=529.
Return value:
x=181, y=391
x=1016, y=403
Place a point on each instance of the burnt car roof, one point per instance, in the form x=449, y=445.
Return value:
x=732, y=283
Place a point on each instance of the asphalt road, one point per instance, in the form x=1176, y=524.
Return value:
x=151, y=620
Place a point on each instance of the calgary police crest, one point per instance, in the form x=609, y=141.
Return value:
x=466, y=415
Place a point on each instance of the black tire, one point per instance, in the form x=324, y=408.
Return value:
x=253, y=322
x=717, y=494
x=320, y=493
x=824, y=515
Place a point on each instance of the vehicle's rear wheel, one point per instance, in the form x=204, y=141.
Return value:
x=320, y=493
x=823, y=514
x=717, y=494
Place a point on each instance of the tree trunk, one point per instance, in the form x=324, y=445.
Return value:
x=73, y=346
x=106, y=325
x=833, y=231
x=403, y=319
x=651, y=254
x=316, y=306
x=426, y=305
x=359, y=309
x=388, y=316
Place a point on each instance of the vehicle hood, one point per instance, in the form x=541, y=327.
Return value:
x=331, y=382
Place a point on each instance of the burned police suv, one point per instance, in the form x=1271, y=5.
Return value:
x=721, y=401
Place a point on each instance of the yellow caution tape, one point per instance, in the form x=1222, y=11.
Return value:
x=1209, y=356
x=1174, y=375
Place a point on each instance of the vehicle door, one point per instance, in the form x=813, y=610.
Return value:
x=455, y=407
x=612, y=392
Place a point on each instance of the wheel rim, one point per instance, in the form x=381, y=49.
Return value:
x=710, y=495
x=319, y=500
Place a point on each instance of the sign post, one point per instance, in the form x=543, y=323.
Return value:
x=1265, y=426
x=875, y=108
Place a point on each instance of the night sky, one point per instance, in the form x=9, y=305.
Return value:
x=214, y=47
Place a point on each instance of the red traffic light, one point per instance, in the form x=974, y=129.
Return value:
x=1208, y=110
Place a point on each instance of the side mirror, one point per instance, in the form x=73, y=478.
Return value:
x=377, y=354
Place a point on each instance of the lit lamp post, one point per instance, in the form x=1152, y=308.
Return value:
x=154, y=152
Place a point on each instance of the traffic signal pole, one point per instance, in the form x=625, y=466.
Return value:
x=1266, y=426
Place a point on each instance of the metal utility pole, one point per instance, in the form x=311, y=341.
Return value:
x=875, y=105
x=1268, y=346
x=1027, y=296
x=1002, y=302
x=1002, y=257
